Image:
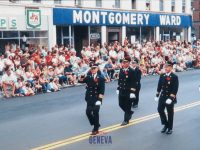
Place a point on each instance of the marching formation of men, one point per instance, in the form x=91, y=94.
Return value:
x=128, y=93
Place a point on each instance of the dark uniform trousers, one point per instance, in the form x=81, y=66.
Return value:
x=125, y=105
x=126, y=86
x=95, y=92
x=170, y=109
x=138, y=85
x=169, y=86
x=92, y=113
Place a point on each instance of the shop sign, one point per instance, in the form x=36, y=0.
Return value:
x=4, y=23
x=62, y=16
x=33, y=18
x=95, y=36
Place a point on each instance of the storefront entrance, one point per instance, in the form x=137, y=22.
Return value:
x=114, y=34
x=81, y=38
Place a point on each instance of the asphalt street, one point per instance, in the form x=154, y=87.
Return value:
x=31, y=122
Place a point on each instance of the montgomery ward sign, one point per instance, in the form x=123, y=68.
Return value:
x=33, y=18
x=62, y=16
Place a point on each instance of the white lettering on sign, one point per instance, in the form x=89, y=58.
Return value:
x=146, y=18
x=166, y=20
x=77, y=17
x=3, y=22
x=133, y=19
x=104, y=14
x=173, y=20
x=126, y=18
x=118, y=18
x=95, y=17
x=178, y=20
x=140, y=19
x=12, y=22
x=111, y=18
x=87, y=17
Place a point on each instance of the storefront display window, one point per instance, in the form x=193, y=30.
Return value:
x=41, y=34
x=147, y=33
x=9, y=34
x=26, y=33
x=172, y=33
x=95, y=35
x=133, y=31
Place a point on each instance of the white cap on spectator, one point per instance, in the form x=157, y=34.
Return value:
x=50, y=67
x=67, y=63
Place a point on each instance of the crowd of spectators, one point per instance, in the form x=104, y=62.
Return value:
x=27, y=72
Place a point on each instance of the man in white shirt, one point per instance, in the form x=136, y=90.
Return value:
x=113, y=54
x=62, y=57
x=8, y=82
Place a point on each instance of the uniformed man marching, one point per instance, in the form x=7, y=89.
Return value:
x=168, y=83
x=126, y=90
x=138, y=85
x=94, y=95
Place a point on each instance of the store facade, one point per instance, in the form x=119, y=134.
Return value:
x=86, y=27
x=26, y=28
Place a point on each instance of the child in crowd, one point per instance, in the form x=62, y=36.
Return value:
x=29, y=89
x=53, y=86
x=37, y=85
x=18, y=87
x=105, y=75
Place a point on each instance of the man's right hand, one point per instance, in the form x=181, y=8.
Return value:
x=117, y=92
x=156, y=99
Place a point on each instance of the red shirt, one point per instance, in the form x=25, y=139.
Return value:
x=49, y=60
x=67, y=57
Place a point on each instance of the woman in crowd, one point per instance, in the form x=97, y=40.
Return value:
x=59, y=72
x=29, y=76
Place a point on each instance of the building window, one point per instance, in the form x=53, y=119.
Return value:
x=117, y=3
x=133, y=4
x=98, y=3
x=161, y=5
x=78, y=2
x=57, y=1
x=37, y=1
x=173, y=5
x=13, y=1
x=183, y=6
x=147, y=4
x=192, y=4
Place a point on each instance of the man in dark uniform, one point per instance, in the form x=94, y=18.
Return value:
x=94, y=95
x=168, y=83
x=138, y=85
x=126, y=90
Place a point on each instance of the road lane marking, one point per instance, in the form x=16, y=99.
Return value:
x=109, y=129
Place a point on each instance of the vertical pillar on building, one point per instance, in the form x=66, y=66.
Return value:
x=88, y=35
x=167, y=5
x=157, y=34
x=188, y=6
x=51, y=33
x=189, y=34
x=103, y=35
x=123, y=34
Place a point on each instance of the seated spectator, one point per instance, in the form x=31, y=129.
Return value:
x=53, y=86
x=59, y=71
x=69, y=73
x=8, y=82
x=105, y=75
x=49, y=59
x=30, y=89
x=45, y=83
x=29, y=76
x=16, y=62
x=37, y=71
x=79, y=70
x=18, y=88
x=51, y=75
x=37, y=85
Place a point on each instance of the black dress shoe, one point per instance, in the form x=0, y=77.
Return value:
x=169, y=131
x=93, y=128
x=124, y=123
x=164, y=129
x=95, y=132
x=135, y=106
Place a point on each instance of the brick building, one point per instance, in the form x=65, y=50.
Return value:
x=196, y=18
